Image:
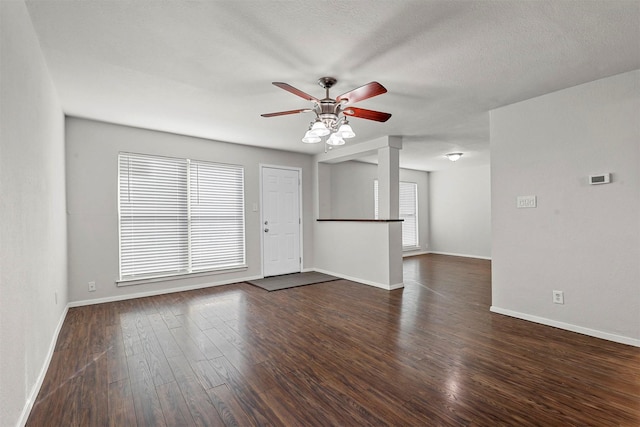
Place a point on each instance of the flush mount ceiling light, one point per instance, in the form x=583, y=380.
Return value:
x=331, y=114
x=454, y=157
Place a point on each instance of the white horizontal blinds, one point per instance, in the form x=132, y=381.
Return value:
x=179, y=216
x=153, y=216
x=409, y=213
x=217, y=216
x=408, y=206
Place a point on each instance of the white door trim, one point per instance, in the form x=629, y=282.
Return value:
x=300, y=203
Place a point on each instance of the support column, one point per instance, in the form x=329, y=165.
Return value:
x=389, y=180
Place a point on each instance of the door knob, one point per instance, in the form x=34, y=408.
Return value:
x=266, y=230
x=266, y=222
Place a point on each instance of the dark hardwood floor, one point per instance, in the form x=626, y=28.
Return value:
x=334, y=354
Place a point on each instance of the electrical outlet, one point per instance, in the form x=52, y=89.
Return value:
x=558, y=297
x=526, y=202
x=92, y=286
x=55, y=295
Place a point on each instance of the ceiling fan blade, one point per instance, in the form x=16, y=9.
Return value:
x=363, y=92
x=366, y=114
x=284, y=113
x=295, y=91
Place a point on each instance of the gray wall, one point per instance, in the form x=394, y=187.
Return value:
x=92, y=150
x=352, y=190
x=581, y=239
x=460, y=210
x=352, y=196
x=33, y=246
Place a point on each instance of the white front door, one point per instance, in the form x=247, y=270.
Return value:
x=280, y=221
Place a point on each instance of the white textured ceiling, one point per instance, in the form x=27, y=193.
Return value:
x=204, y=68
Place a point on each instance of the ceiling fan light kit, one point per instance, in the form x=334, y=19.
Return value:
x=454, y=157
x=319, y=128
x=334, y=140
x=331, y=113
x=345, y=130
x=310, y=138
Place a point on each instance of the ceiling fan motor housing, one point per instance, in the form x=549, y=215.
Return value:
x=328, y=111
x=327, y=82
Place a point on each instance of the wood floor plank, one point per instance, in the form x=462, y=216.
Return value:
x=199, y=320
x=181, y=368
x=345, y=410
x=287, y=405
x=245, y=391
x=206, y=374
x=253, y=377
x=227, y=349
x=154, y=355
x=200, y=406
x=169, y=318
x=95, y=391
x=168, y=343
x=188, y=346
x=228, y=407
x=71, y=408
x=130, y=336
x=174, y=407
x=282, y=415
x=147, y=405
x=336, y=353
x=201, y=340
x=121, y=407
x=117, y=368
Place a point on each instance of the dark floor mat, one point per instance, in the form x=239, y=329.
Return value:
x=286, y=281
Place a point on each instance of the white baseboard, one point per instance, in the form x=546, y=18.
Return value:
x=413, y=253
x=568, y=326
x=31, y=399
x=159, y=292
x=460, y=255
x=363, y=281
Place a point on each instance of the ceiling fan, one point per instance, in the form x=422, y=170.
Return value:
x=331, y=113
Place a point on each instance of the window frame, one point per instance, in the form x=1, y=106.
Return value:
x=405, y=248
x=129, y=279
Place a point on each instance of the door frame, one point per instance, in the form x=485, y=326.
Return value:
x=262, y=166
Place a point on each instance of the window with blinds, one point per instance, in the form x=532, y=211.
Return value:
x=408, y=206
x=409, y=213
x=178, y=216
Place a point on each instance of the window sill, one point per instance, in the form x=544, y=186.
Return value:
x=178, y=276
x=358, y=220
